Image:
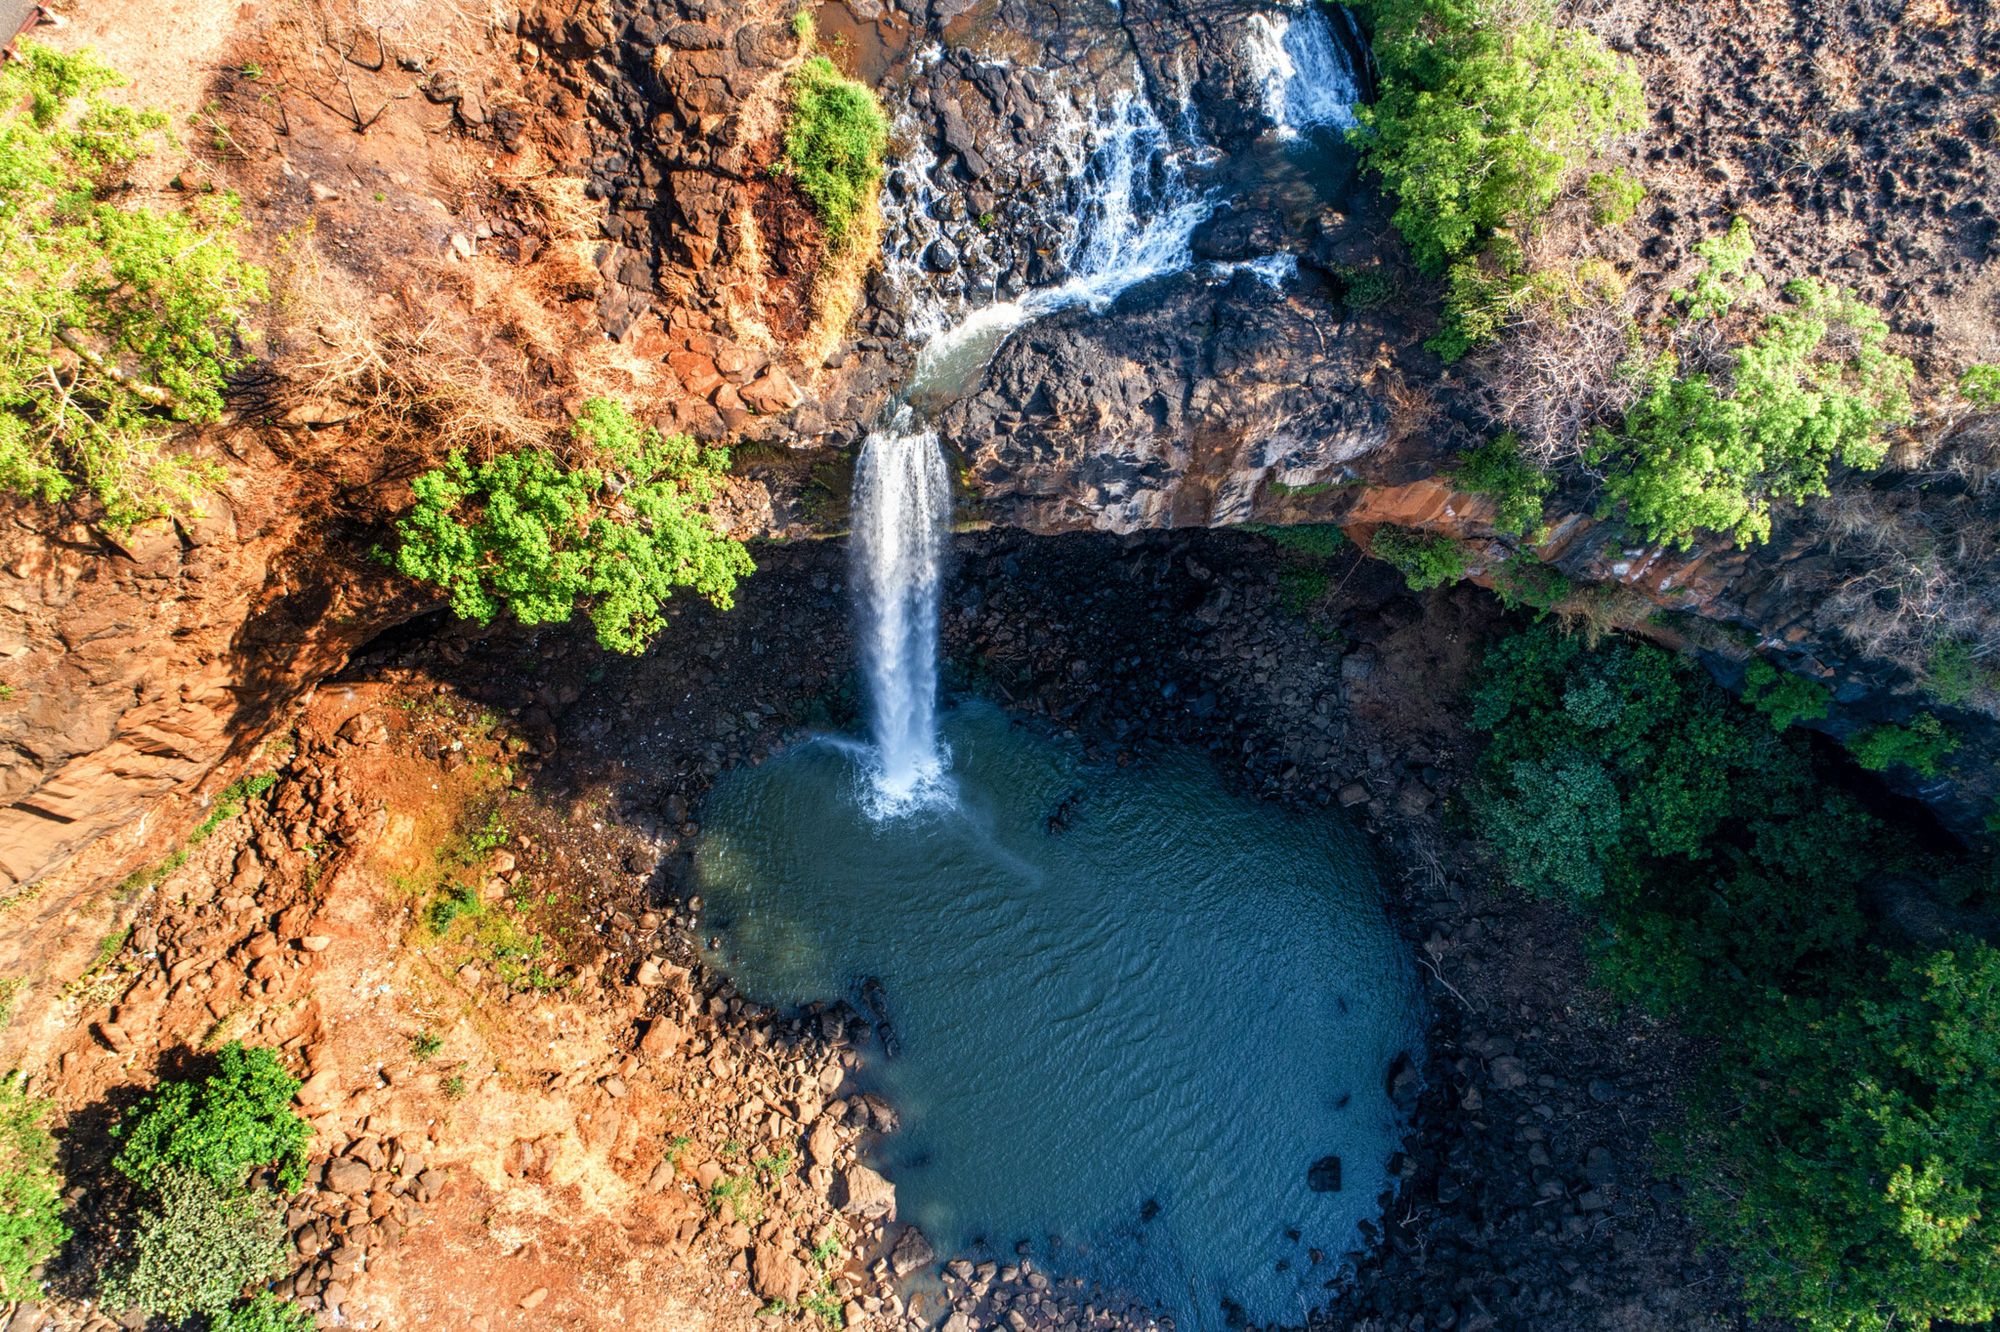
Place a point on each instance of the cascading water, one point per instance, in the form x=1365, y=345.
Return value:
x=902, y=510
x=1135, y=223
x=1306, y=76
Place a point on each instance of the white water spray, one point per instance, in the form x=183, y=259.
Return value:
x=1129, y=228
x=1306, y=77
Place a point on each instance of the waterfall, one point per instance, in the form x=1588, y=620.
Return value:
x=902, y=513
x=1305, y=76
x=1137, y=219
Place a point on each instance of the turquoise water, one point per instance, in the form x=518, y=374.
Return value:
x=1132, y=1010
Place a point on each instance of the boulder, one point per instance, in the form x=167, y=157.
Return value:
x=912, y=1253
x=859, y=1191
x=349, y=1176
x=775, y=1272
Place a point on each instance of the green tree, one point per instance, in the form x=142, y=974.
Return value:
x=1425, y=561
x=835, y=134
x=1517, y=487
x=1700, y=453
x=1922, y=746
x=1850, y=1149
x=31, y=1225
x=115, y=321
x=237, y=1119
x=614, y=533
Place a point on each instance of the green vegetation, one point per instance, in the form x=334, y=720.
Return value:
x=1320, y=541
x=1517, y=487
x=115, y=321
x=453, y=1087
x=615, y=533
x=1614, y=197
x=1922, y=746
x=425, y=1044
x=1981, y=385
x=835, y=134
x=235, y=798
x=1954, y=673
x=196, y=1246
x=1721, y=282
x=237, y=1119
x=1841, y=1142
x=1698, y=452
x=1856, y=1189
x=265, y=1313
x=31, y=1224
x=1299, y=590
x=1424, y=561
x=1485, y=112
x=1367, y=288
x=1525, y=581
x=1785, y=698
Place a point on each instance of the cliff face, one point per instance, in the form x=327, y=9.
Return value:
x=578, y=198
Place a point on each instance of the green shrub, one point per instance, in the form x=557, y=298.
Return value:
x=1981, y=385
x=1517, y=486
x=115, y=321
x=1525, y=581
x=1320, y=541
x=1922, y=746
x=195, y=1247
x=237, y=1119
x=835, y=134
x=265, y=1313
x=31, y=1224
x=1424, y=561
x=1721, y=283
x=1485, y=110
x=1785, y=698
x=616, y=533
x=1482, y=293
x=1694, y=454
x=1954, y=673
x=1366, y=288
x=1614, y=197
x=1299, y=590
x=1848, y=1150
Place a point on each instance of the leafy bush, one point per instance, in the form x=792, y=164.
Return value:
x=114, y=320
x=265, y=1313
x=1981, y=384
x=237, y=1119
x=1851, y=1149
x=1424, y=561
x=1954, y=673
x=614, y=534
x=835, y=134
x=1299, y=590
x=1366, y=288
x=1695, y=453
x=1614, y=197
x=1485, y=110
x=1525, y=581
x=1785, y=698
x=1483, y=292
x=1922, y=746
x=196, y=1246
x=1517, y=486
x=31, y=1225
x=1721, y=282
x=1318, y=540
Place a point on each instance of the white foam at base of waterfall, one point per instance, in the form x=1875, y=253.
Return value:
x=1306, y=77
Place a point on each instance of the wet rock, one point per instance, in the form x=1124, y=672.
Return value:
x=912, y=1253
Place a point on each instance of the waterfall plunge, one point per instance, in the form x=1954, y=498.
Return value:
x=1129, y=231
x=902, y=512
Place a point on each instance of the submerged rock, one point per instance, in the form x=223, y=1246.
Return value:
x=1324, y=1175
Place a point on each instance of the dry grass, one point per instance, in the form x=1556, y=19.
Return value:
x=836, y=287
x=1595, y=609
x=400, y=366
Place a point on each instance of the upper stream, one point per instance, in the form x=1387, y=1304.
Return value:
x=1132, y=1011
